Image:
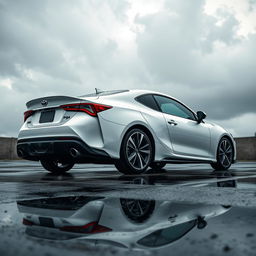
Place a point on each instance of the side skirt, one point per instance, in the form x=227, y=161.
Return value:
x=185, y=161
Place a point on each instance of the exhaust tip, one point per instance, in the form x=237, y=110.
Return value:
x=74, y=152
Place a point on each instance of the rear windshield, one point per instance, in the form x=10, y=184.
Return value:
x=104, y=93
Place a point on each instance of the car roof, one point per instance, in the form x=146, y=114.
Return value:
x=99, y=93
x=138, y=92
x=124, y=94
x=121, y=92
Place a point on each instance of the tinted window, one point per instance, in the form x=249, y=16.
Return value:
x=173, y=107
x=167, y=235
x=148, y=101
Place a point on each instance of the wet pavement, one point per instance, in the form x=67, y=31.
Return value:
x=94, y=210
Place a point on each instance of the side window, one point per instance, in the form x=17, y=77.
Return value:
x=167, y=235
x=148, y=101
x=173, y=107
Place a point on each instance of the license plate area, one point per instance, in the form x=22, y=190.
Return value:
x=47, y=116
x=46, y=222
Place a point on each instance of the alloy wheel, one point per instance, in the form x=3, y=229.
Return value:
x=137, y=210
x=225, y=153
x=138, y=150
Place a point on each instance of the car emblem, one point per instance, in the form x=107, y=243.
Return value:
x=44, y=103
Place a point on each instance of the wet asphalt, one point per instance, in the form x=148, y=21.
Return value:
x=231, y=233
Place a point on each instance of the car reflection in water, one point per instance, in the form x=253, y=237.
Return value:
x=127, y=223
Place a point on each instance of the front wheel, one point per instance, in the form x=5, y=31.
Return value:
x=225, y=153
x=57, y=166
x=136, y=153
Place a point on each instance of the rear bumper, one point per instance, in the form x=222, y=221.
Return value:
x=52, y=147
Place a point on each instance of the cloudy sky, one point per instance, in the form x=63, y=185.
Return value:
x=202, y=52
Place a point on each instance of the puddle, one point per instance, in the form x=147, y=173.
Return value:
x=122, y=225
x=168, y=213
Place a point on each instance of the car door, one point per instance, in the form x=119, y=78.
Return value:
x=188, y=137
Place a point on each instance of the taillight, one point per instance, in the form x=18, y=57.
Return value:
x=27, y=114
x=90, y=228
x=27, y=222
x=90, y=108
x=100, y=229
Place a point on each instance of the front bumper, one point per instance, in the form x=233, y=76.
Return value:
x=59, y=147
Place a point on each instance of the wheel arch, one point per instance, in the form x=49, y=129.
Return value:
x=232, y=143
x=144, y=128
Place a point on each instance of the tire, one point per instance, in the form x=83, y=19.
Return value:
x=136, y=153
x=157, y=165
x=57, y=166
x=137, y=210
x=225, y=154
x=231, y=183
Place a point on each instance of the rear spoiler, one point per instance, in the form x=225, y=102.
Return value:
x=52, y=101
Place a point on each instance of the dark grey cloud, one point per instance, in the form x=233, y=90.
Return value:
x=204, y=63
x=62, y=47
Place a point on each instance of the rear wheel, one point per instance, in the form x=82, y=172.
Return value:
x=136, y=153
x=137, y=210
x=57, y=166
x=225, y=153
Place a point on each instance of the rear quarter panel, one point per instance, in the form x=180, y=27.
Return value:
x=124, y=115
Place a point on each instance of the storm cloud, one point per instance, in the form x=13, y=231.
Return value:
x=202, y=52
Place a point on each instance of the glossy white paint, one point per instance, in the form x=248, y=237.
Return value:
x=186, y=139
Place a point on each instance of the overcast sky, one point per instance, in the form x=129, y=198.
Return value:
x=202, y=52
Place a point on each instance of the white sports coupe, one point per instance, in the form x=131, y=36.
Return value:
x=133, y=129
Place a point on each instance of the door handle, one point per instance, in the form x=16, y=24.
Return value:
x=172, y=122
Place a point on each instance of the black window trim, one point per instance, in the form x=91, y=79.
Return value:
x=159, y=109
x=137, y=99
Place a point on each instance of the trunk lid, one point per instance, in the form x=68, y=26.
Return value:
x=51, y=101
x=47, y=111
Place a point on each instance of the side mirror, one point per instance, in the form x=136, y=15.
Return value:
x=201, y=223
x=200, y=116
